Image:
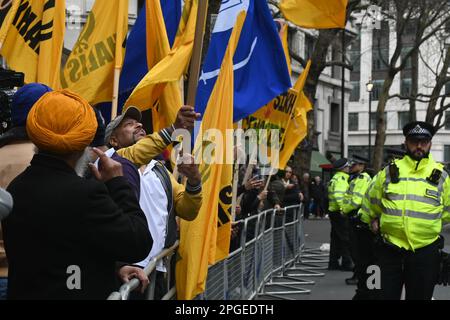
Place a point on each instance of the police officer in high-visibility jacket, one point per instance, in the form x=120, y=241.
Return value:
x=408, y=202
x=339, y=243
x=359, y=182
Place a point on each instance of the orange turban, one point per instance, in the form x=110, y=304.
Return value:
x=61, y=122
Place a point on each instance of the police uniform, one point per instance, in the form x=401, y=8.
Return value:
x=358, y=234
x=411, y=200
x=339, y=242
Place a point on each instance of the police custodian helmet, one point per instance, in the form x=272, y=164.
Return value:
x=419, y=130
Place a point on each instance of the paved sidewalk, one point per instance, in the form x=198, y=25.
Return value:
x=332, y=285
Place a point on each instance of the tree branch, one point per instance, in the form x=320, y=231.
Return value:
x=340, y=64
x=297, y=58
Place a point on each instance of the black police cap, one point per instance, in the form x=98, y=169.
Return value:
x=419, y=129
x=340, y=164
x=358, y=159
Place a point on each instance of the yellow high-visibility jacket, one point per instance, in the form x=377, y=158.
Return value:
x=412, y=210
x=356, y=191
x=336, y=191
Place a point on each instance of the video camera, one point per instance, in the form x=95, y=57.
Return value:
x=9, y=82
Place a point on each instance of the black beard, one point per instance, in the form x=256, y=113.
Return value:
x=412, y=156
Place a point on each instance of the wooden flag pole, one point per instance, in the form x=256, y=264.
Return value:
x=115, y=100
x=194, y=69
x=235, y=179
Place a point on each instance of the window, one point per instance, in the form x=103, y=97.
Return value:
x=405, y=87
x=380, y=58
x=403, y=119
x=334, y=117
x=377, y=87
x=447, y=153
x=447, y=120
x=309, y=47
x=447, y=88
x=355, y=60
x=336, y=70
x=353, y=121
x=359, y=150
x=404, y=52
x=354, y=94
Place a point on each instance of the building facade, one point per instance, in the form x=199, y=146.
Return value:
x=368, y=54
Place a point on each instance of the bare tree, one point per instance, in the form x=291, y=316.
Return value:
x=428, y=17
x=326, y=38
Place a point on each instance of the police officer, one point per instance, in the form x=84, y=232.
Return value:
x=339, y=243
x=407, y=203
x=359, y=182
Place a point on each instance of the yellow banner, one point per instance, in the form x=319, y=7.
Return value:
x=89, y=70
x=7, y=14
x=34, y=40
x=286, y=113
x=207, y=238
x=316, y=14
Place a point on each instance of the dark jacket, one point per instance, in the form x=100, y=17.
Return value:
x=60, y=220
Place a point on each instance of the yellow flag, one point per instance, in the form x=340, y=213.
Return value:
x=316, y=14
x=287, y=113
x=199, y=237
x=284, y=41
x=296, y=128
x=8, y=13
x=172, y=67
x=158, y=48
x=34, y=40
x=89, y=70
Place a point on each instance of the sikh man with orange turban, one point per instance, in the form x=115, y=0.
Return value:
x=65, y=233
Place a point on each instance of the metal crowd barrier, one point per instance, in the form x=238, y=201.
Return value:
x=269, y=261
x=164, y=256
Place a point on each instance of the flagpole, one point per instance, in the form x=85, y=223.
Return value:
x=115, y=100
x=194, y=69
x=235, y=179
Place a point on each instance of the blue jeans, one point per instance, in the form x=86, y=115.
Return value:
x=3, y=287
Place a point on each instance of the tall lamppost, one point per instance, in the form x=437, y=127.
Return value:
x=369, y=86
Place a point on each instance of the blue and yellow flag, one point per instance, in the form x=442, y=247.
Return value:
x=89, y=70
x=199, y=237
x=174, y=64
x=135, y=63
x=34, y=39
x=315, y=14
x=260, y=69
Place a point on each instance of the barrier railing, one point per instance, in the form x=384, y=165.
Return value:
x=271, y=246
x=150, y=271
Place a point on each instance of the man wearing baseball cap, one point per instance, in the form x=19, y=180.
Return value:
x=407, y=203
x=161, y=198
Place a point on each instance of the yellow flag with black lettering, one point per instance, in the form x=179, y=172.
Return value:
x=89, y=70
x=287, y=114
x=198, y=238
x=7, y=14
x=34, y=39
x=316, y=14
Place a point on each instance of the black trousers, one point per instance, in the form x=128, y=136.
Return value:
x=339, y=240
x=418, y=271
x=364, y=257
